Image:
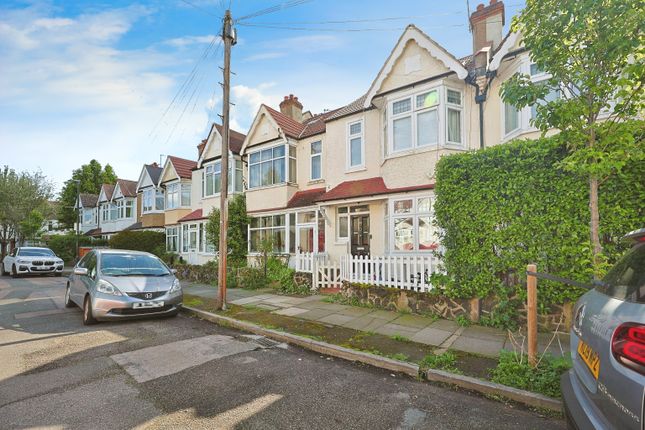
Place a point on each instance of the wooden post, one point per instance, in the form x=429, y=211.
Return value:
x=531, y=313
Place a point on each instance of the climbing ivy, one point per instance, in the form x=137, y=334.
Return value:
x=506, y=206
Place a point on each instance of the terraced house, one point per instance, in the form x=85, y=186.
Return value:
x=117, y=208
x=355, y=185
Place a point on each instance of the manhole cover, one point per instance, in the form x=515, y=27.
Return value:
x=265, y=342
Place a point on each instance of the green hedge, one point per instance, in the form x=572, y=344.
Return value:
x=509, y=205
x=148, y=241
x=64, y=245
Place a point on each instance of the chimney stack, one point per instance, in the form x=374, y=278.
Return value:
x=291, y=107
x=487, y=23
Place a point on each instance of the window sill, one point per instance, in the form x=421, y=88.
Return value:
x=356, y=169
x=283, y=184
x=316, y=181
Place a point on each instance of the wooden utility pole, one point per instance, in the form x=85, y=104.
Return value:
x=228, y=36
x=531, y=317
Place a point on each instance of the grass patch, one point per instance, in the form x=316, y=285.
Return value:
x=400, y=338
x=446, y=361
x=192, y=300
x=513, y=370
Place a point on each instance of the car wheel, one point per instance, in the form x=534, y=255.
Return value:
x=88, y=318
x=14, y=272
x=68, y=301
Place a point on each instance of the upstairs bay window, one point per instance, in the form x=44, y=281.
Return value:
x=177, y=195
x=159, y=199
x=316, y=160
x=152, y=200
x=270, y=167
x=355, y=145
x=212, y=178
x=113, y=212
x=415, y=121
x=124, y=209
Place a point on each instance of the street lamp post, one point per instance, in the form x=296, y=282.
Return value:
x=78, y=213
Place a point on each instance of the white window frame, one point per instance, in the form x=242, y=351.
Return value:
x=339, y=215
x=313, y=156
x=413, y=113
x=173, y=192
x=288, y=175
x=516, y=130
x=284, y=228
x=415, y=214
x=148, y=200
x=459, y=108
x=172, y=233
x=234, y=165
x=348, y=147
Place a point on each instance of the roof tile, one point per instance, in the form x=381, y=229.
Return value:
x=183, y=167
x=193, y=216
x=366, y=188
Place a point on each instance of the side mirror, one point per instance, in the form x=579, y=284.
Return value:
x=173, y=271
x=80, y=271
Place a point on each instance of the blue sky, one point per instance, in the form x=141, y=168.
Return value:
x=87, y=79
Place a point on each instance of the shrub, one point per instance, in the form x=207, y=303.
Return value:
x=281, y=277
x=237, y=228
x=147, y=241
x=509, y=205
x=251, y=278
x=513, y=370
x=64, y=245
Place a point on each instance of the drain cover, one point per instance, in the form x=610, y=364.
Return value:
x=265, y=342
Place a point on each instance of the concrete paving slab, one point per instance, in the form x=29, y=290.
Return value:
x=162, y=360
x=295, y=300
x=362, y=323
x=315, y=314
x=431, y=336
x=446, y=325
x=488, y=347
x=486, y=333
x=384, y=315
x=390, y=329
x=414, y=321
x=246, y=301
x=355, y=312
x=336, y=319
x=276, y=299
x=268, y=307
x=291, y=311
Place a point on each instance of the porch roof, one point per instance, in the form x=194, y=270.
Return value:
x=193, y=216
x=93, y=232
x=366, y=188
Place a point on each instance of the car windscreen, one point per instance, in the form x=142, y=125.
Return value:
x=132, y=265
x=35, y=253
x=626, y=280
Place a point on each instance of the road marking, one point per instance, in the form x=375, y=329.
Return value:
x=154, y=362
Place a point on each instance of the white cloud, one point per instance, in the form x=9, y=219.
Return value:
x=181, y=42
x=265, y=56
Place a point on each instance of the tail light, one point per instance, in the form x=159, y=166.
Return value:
x=628, y=346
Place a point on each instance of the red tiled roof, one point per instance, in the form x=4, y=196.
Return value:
x=183, y=167
x=366, y=188
x=128, y=188
x=235, y=141
x=305, y=198
x=88, y=200
x=289, y=126
x=200, y=148
x=193, y=216
x=316, y=124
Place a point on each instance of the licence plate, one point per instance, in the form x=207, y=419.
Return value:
x=140, y=305
x=590, y=357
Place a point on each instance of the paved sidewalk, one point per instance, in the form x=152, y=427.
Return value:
x=444, y=334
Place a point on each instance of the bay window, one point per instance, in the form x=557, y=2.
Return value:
x=271, y=228
x=172, y=195
x=355, y=145
x=88, y=216
x=272, y=166
x=159, y=199
x=412, y=225
x=212, y=178
x=147, y=204
x=415, y=120
x=113, y=212
x=316, y=160
x=185, y=195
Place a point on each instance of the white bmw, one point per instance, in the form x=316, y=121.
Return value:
x=31, y=260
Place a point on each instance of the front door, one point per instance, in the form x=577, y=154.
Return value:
x=360, y=234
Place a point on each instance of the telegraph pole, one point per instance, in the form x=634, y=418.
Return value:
x=228, y=36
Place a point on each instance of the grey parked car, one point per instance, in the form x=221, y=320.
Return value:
x=113, y=284
x=605, y=389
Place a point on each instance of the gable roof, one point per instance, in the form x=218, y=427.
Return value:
x=366, y=188
x=290, y=127
x=235, y=138
x=88, y=200
x=423, y=40
x=107, y=190
x=154, y=171
x=200, y=148
x=183, y=167
x=128, y=188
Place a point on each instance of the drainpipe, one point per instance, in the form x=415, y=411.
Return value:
x=480, y=98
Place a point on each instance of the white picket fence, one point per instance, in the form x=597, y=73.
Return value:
x=407, y=272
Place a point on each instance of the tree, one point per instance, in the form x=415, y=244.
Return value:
x=91, y=177
x=237, y=228
x=20, y=193
x=594, y=52
x=31, y=225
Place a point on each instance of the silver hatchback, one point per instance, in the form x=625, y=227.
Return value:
x=113, y=284
x=606, y=387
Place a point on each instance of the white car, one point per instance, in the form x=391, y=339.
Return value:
x=31, y=260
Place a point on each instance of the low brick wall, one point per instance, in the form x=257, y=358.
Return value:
x=394, y=299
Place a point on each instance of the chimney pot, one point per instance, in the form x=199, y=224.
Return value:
x=492, y=2
x=291, y=107
x=487, y=23
x=480, y=6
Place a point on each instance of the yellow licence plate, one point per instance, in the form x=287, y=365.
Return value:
x=590, y=357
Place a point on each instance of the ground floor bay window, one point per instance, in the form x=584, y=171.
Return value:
x=172, y=239
x=298, y=231
x=410, y=225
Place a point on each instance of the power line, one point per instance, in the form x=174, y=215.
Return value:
x=278, y=7
x=201, y=8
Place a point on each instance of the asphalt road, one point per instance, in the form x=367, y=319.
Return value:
x=187, y=373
